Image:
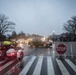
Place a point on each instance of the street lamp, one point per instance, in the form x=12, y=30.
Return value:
x=53, y=32
x=53, y=35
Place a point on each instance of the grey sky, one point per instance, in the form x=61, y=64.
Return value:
x=38, y=16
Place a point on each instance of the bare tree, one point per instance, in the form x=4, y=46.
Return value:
x=70, y=26
x=5, y=25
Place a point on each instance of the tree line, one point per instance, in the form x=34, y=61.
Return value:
x=9, y=26
x=70, y=30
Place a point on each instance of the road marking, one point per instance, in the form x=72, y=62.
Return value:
x=2, y=62
x=62, y=67
x=38, y=66
x=26, y=68
x=7, y=64
x=71, y=64
x=50, y=66
x=24, y=58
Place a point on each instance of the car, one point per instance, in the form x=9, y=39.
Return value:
x=21, y=45
x=39, y=43
x=10, y=52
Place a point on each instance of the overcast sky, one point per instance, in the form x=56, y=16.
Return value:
x=38, y=16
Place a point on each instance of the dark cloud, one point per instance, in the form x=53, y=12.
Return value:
x=39, y=16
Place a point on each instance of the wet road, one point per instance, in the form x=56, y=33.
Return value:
x=42, y=52
x=39, y=61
